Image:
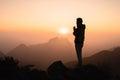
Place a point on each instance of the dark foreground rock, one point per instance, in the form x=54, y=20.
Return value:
x=57, y=71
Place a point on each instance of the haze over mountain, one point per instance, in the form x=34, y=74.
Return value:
x=7, y=42
x=42, y=55
x=93, y=42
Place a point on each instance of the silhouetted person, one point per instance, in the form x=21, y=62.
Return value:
x=79, y=33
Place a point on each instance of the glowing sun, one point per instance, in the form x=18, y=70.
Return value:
x=63, y=31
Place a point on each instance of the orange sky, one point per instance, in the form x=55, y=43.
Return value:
x=36, y=21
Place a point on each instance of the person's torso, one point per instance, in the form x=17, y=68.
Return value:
x=80, y=33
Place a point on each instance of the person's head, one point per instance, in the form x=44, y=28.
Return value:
x=79, y=21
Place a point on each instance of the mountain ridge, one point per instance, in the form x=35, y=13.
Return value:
x=44, y=54
x=108, y=59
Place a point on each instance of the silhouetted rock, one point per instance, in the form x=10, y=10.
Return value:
x=91, y=72
x=57, y=66
x=57, y=71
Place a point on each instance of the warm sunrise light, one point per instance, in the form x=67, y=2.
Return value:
x=41, y=33
x=38, y=21
x=63, y=31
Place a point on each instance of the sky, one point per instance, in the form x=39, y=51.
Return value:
x=37, y=21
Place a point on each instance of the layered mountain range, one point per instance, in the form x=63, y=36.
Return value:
x=42, y=55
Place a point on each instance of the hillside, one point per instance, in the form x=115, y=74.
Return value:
x=1, y=54
x=106, y=59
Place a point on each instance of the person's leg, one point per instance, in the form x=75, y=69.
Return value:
x=79, y=53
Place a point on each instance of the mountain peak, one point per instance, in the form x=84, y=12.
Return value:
x=22, y=46
x=53, y=39
x=59, y=40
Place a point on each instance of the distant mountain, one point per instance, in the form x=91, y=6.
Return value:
x=42, y=55
x=21, y=53
x=103, y=56
x=7, y=43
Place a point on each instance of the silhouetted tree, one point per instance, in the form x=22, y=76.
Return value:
x=10, y=70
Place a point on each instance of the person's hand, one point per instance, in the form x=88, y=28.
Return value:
x=74, y=28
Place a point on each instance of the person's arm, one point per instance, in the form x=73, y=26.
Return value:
x=74, y=30
x=84, y=26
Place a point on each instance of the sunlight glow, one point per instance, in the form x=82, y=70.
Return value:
x=63, y=31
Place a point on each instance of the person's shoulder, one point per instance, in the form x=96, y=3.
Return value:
x=84, y=26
